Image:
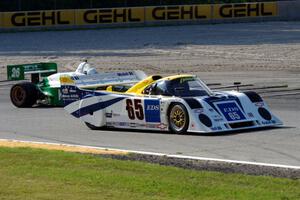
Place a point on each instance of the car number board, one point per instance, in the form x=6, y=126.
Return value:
x=231, y=111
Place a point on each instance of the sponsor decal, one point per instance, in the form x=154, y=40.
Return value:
x=108, y=115
x=250, y=115
x=152, y=110
x=216, y=128
x=109, y=123
x=41, y=18
x=182, y=80
x=116, y=115
x=162, y=106
x=115, y=15
x=268, y=122
x=121, y=123
x=72, y=90
x=186, y=12
x=65, y=91
x=139, y=125
x=231, y=111
x=239, y=10
x=217, y=118
x=132, y=125
x=259, y=104
x=69, y=97
x=69, y=94
x=125, y=74
x=125, y=124
x=199, y=110
x=111, y=114
x=151, y=126
x=161, y=126
x=31, y=67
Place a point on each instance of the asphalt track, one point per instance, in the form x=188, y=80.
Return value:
x=274, y=146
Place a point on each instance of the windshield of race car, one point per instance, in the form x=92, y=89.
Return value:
x=182, y=87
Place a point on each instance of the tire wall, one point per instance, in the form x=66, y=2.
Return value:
x=149, y=16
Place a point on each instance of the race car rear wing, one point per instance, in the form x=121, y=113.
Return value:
x=35, y=70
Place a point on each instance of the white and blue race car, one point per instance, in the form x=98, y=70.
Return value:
x=180, y=104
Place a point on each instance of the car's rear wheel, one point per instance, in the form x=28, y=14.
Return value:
x=24, y=95
x=178, y=118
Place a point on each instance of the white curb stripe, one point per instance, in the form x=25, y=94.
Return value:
x=162, y=154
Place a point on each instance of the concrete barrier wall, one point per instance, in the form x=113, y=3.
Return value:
x=145, y=16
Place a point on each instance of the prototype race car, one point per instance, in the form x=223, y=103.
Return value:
x=47, y=91
x=180, y=103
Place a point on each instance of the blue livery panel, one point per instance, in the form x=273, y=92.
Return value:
x=70, y=93
x=152, y=110
x=231, y=111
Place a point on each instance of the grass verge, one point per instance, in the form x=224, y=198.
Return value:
x=27, y=173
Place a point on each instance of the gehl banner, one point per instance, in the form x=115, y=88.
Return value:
x=136, y=15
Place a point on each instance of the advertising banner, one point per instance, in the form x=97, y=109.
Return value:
x=136, y=15
x=242, y=10
x=178, y=13
x=109, y=16
x=38, y=18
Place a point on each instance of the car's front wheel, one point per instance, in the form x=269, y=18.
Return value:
x=178, y=118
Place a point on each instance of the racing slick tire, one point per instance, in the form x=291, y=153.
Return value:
x=178, y=118
x=24, y=95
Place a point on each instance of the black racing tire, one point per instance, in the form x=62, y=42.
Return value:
x=92, y=127
x=24, y=95
x=178, y=118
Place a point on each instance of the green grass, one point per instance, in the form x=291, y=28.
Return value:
x=40, y=174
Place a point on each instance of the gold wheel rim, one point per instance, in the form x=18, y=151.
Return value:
x=178, y=118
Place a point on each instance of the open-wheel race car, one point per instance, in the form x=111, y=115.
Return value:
x=44, y=86
x=180, y=103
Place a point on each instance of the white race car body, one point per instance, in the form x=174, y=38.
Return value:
x=212, y=112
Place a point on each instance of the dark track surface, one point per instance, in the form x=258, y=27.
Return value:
x=275, y=146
